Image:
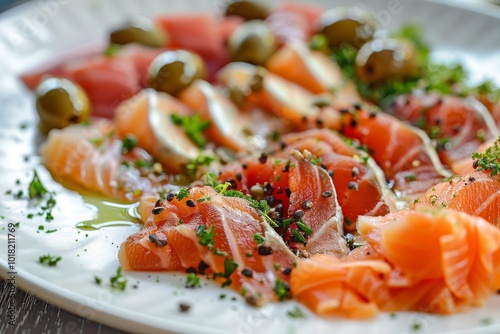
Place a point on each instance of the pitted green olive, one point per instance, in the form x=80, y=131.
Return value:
x=61, y=102
x=248, y=10
x=141, y=30
x=172, y=71
x=347, y=25
x=382, y=60
x=252, y=42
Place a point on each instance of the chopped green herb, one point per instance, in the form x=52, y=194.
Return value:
x=183, y=193
x=229, y=267
x=315, y=161
x=203, y=199
x=281, y=289
x=489, y=160
x=193, y=127
x=410, y=177
x=259, y=239
x=36, y=188
x=297, y=236
x=296, y=312
x=97, y=280
x=49, y=260
x=51, y=231
x=128, y=144
x=118, y=282
x=206, y=236
x=201, y=160
x=219, y=252
x=192, y=281
x=304, y=228
x=140, y=163
x=318, y=42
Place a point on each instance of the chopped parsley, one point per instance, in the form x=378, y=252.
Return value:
x=49, y=260
x=118, y=282
x=183, y=193
x=489, y=160
x=36, y=188
x=193, y=127
x=97, y=280
x=206, y=236
x=192, y=281
x=229, y=268
x=201, y=160
x=296, y=312
x=259, y=239
x=281, y=289
x=128, y=144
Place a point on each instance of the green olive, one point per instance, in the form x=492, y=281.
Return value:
x=248, y=10
x=172, y=71
x=252, y=42
x=347, y=25
x=141, y=30
x=382, y=60
x=61, y=102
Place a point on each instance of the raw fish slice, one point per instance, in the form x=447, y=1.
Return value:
x=146, y=116
x=456, y=124
x=360, y=186
x=91, y=157
x=476, y=193
x=171, y=240
x=282, y=183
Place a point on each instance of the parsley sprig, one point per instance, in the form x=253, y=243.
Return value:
x=118, y=282
x=229, y=268
x=489, y=160
x=193, y=127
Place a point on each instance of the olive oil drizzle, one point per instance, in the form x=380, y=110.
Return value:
x=109, y=213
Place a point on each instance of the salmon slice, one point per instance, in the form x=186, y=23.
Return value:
x=146, y=116
x=227, y=124
x=458, y=127
x=208, y=233
x=308, y=218
x=476, y=193
x=314, y=71
x=291, y=21
x=91, y=156
x=359, y=186
x=456, y=267
x=273, y=93
x=201, y=33
x=405, y=154
x=466, y=165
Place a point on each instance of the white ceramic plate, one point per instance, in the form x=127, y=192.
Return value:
x=34, y=34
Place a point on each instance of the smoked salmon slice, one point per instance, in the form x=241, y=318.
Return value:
x=207, y=233
x=450, y=260
x=92, y=157
x=476, y=193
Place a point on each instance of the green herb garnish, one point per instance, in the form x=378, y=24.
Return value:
x=199, y=161
x=259, y=239
x=207, y=237
x=118, y=282
x=193, y=127
x=489, y=160
x=192, y=281
x=128, y=144
x=229, y=267
x=296, y=312
x=49, y=260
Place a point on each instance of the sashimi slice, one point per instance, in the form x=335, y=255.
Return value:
x=266, y=90
x=227, y=124
x=281, y=182
x=91, y=157
x=404, y=153
x=455, y=123
x=359, y=186
x=146, y=116
x=476, y=193
x=171, y=240
x=314, y=71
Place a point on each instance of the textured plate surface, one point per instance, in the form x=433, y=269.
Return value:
x=42, y=32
